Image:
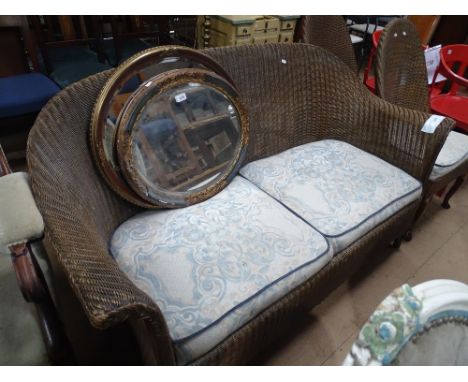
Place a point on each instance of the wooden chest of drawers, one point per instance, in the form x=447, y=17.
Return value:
x=240, y=30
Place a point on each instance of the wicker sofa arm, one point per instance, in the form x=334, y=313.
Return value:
x=80, y=213
x=394, y=134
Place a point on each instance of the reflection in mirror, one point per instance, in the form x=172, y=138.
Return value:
x=131, y=83
x=185, y=138
x=193, y=133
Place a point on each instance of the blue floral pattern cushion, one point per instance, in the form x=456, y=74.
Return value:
x=340, y=190
x=453, y=154
x=213, y=266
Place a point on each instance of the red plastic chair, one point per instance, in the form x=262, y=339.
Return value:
x=452, y=104
x=370, y=81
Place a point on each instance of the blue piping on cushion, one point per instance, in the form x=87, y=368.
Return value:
x=179, y=340
x=253, y=296
x=462, y=159
x=375, y=213
x=349, y=229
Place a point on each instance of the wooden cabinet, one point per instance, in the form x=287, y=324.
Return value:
x=240, y=30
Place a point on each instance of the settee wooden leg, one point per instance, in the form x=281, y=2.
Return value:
x=451, y=192
x=396, y=243
x=408, y=235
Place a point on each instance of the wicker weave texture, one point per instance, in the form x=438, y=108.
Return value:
x=400, y=67
x=329, y=32
x=299, y=93
x=401, y=78
x=295, y=94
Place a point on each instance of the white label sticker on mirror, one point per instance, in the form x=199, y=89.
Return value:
x=180, y=97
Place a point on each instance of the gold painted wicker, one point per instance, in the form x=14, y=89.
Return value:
x=401, y=78
x=294, y=93
x=329, y=32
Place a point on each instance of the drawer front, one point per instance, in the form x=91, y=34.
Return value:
x=243, y=30
x=288, y=25
x=265, y=38
x=267, y=23
x=243, y=40
x=286, y=36
x=220, y=39
x=266, y=33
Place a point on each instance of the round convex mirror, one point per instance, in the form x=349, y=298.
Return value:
x=126, y=79
x=181, y=137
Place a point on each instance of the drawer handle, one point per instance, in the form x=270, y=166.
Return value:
x=244, y=31
x=288, y=25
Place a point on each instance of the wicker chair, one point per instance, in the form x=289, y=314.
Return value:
x=295, y=94
x=329, y=32
x=401, y=79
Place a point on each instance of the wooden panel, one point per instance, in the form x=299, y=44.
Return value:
x=30, y=43
x=13, y=60
x=67, y=28
x=451, y=30
x=426, y=26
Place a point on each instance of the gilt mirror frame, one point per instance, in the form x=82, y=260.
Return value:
x=108, y=167
x=130, y=115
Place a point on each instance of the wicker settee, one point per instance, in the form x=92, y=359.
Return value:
x=295, y=94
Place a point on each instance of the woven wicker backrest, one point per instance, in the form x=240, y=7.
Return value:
x=400, y=67
x=295, y=93
x=328, y=32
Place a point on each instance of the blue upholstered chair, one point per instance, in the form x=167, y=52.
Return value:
x=71, y=47
x=22, y=93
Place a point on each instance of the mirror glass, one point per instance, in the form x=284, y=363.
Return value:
x=120, y=86
x=128, y=85
x=179, y=135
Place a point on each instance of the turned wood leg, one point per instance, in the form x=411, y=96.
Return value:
x=451, y=192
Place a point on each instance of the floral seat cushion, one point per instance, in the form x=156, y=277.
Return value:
x=213, y=266
x=340, y=190
x=454, y=153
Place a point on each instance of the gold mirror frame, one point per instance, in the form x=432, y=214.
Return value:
x=120, y=77
x=125, y=136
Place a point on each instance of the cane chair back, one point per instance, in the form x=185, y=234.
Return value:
x=329, y=32
x=400, y=67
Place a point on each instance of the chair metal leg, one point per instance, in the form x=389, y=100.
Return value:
x=451, y=192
